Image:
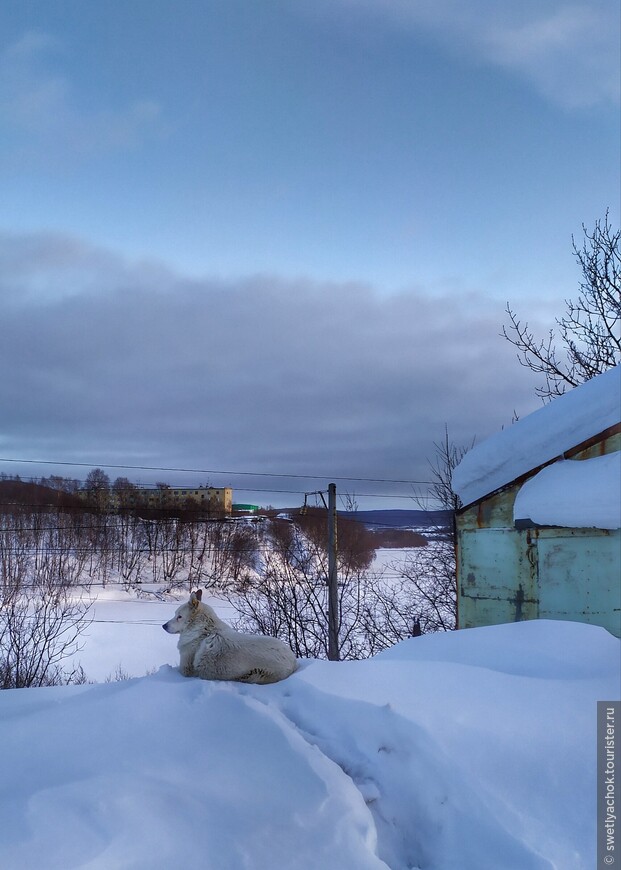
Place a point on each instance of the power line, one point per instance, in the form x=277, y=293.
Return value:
x=299, y=492
x=218, y=471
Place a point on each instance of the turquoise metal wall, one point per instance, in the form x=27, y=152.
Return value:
x=579, y=576
x=506, y=574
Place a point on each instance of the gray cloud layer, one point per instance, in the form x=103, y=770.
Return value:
x=106, y=361
x=567, y=49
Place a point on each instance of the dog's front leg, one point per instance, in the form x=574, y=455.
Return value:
x=186, y=665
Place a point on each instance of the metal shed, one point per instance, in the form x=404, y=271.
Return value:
x=512, y=567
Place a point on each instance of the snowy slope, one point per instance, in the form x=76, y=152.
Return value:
x=540, y=437
x=465, y=751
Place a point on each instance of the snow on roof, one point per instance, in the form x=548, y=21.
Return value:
x=540, y=437
x=576, y=493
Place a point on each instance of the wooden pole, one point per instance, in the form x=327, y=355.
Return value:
x=333, y=592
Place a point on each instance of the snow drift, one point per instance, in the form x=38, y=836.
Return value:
x=471, y=750
x=578, y=494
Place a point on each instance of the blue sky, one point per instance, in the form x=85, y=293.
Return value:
x=331, y=167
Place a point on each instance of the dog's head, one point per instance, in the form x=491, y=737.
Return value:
x=183, y=615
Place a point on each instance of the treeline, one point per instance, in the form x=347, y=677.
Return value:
x=105, y=534
x=83, y=547
x=273, y=570
x=99, y=493
x=54, y=547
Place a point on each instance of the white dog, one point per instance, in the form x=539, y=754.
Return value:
x=212, y=650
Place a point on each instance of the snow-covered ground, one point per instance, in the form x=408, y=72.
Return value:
x=473, y=750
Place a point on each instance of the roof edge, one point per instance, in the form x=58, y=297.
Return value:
x=567, y=454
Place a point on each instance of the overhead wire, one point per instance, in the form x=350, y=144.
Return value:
x=277, y=491
x=83, y=549
x=127, y=467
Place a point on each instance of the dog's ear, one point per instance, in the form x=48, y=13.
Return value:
x=195, y=598
x=199, y=594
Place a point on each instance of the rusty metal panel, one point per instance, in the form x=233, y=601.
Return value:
x=580, y=576
x=610, y=442
x=493, y=512
x=497, y=571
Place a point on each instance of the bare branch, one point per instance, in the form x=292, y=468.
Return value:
x=588, y=337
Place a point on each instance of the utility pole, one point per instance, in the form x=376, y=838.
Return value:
x=333, y=592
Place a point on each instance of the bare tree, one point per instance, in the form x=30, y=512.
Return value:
x=97, y=486
x=172, y=551
x=287, y=596
x=61, y=484
x=131, y=550
x=589, y=339
x=232, y=553
x=420, y=600
x=39, y=631
x=125, y=494
x=41, y=615
x=421, y=594
x=198, y=550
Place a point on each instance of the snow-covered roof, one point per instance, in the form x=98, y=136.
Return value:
x=574, y=493
x=540, y=437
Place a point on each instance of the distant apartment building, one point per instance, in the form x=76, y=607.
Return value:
x=219, y=499
x=211, y=499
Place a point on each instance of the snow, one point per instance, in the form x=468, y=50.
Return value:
x=575, y=493
x=542, y=436
x=470, y=750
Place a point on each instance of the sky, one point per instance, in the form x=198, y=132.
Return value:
x=280, y=237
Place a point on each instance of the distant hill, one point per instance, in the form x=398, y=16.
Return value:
x=14, y=491
x=400, y=519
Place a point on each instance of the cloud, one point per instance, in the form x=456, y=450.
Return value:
x=41, y=115
x=567, y=49
x=262, y=373
x=52, y=266
x=568, y=52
